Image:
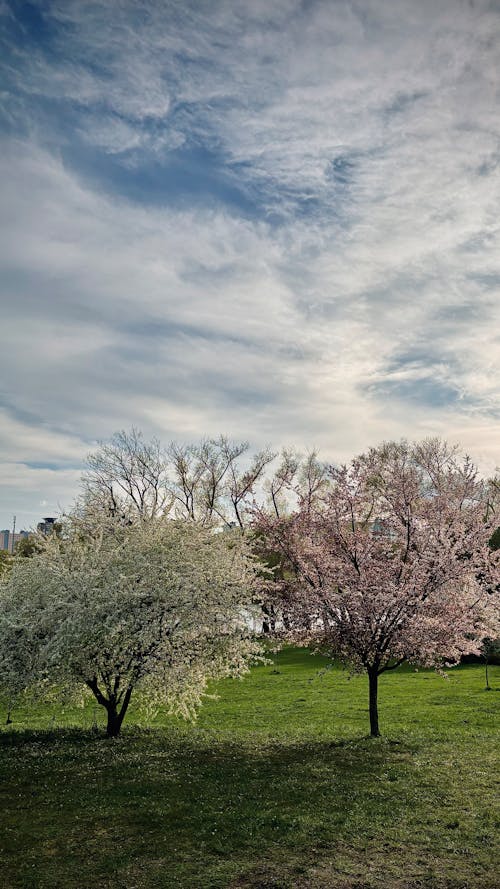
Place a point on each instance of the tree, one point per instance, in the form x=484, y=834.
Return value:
x=34, y=542
x=209, y=484
x=114, y=606
x=19, y=660
x=491, y=647
x=212, y=482
x=297, y=477
x=490, y=652
x=27, y=546
x=128, y=473
x=391, y=561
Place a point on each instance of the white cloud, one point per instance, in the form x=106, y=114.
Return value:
x=360, y=300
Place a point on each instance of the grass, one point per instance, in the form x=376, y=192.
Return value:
x=276, y=787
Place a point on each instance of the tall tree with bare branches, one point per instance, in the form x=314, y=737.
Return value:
x=129, y=473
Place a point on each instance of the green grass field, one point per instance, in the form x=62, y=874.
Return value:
x=277, y=785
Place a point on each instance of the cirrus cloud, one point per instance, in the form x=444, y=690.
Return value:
x=276, y=221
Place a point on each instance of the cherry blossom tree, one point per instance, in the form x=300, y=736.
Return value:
x=390, y=562
x=116, y=607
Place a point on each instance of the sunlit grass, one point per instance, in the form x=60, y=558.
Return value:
x=277, y=785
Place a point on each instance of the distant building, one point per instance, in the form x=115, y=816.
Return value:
x=46, y=526
x=8, y=540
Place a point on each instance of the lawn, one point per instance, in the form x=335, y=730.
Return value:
x=276, y=786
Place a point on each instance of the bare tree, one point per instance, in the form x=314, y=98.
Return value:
x=218, y=457
x=129, y=473
x=281, y=484
x=296, y=477
x=241, y=484
x=187, y=474
x=209, y=482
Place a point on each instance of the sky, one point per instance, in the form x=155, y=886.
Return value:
x=278, y=221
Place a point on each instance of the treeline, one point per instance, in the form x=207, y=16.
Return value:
x=211, y=482
x=174, y=563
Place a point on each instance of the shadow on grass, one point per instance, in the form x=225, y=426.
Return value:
x=165, y=808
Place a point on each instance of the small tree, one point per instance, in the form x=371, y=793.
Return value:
x=490, y=652
x=391, y=561
x=117, y=606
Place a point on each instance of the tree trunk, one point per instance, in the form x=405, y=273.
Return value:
x=266, y=627
x=373, y=686
x=114, y=722
x=115, y=715
x=269, y=619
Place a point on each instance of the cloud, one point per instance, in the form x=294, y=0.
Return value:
x=275, y=220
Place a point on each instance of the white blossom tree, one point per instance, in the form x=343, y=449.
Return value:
x=151, y=606
x=19, y=654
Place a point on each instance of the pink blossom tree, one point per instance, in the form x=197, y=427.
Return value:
x=390, y=561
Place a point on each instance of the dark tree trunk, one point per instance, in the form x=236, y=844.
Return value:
x=266, y=627
x=116, y=708
x=114, y=722
x=269, y=619
x=115, y=715
x=373, y=686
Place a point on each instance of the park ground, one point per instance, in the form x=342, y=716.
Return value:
x=277, y=786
